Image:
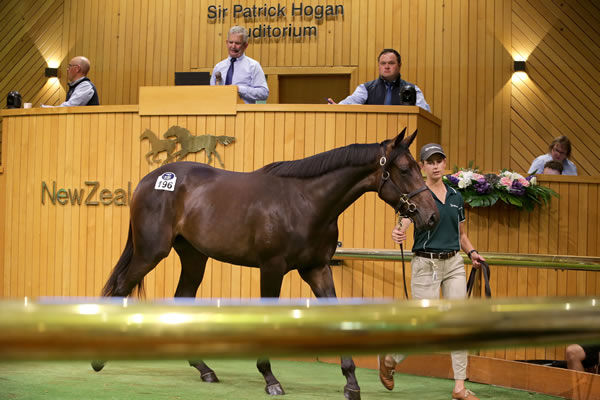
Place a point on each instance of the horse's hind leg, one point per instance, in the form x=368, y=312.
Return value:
x=193, y=264
x=218, y=158
x=273, y=386
x=320, y=281
x=271, y=277
x=135, y=262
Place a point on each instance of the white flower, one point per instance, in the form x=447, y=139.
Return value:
x=515, y=176
x=533, y=181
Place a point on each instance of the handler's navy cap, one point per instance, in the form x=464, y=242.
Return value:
x=430, y=149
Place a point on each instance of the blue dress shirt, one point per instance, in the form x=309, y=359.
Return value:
x=537, y=166
x=360, y=96
x=81, y=95
x=248, y=76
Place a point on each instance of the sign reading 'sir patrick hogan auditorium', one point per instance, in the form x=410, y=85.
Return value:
x=285, y=17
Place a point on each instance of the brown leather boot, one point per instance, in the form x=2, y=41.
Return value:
x=464, y=394
x=387, y=366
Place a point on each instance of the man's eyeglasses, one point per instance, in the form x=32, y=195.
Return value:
x=72, y=65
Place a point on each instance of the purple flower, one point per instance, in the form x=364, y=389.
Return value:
x=453, y=179
x=481, y=186
x=517, y=188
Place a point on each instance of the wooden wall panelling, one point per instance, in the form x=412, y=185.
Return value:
x=3, y=233
x=87, y=277
x=459, y=53
x=11, y=270
x=552, y=58
x=96, y=271
x=8, y=219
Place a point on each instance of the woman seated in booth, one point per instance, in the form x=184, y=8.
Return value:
x=558, y=150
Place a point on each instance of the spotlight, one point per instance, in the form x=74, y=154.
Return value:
x=51, y=73
x=519, y=66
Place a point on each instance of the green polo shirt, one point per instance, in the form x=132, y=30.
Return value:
x=446, y=235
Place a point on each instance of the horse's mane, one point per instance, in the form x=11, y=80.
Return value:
x=348, y=156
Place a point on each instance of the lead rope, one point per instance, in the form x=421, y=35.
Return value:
x=404, y=272
x=399, y=225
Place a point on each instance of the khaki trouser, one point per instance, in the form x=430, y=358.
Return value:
x=428, y=275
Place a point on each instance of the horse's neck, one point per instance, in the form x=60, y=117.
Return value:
x=340, y=188
x=151, y=138
x=185, y=139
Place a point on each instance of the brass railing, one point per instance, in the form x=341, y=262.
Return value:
x=117, y=329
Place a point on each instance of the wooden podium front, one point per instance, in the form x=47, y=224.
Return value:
x=189, y=100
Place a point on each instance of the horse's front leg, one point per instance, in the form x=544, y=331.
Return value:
x=320, y=280
x=271, y=277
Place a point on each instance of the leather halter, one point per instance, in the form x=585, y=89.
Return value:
x=405, y=207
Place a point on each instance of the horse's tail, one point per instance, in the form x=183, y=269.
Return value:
x=225, y=140
x=110, y=289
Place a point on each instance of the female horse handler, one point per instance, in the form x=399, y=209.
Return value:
x=436, y=260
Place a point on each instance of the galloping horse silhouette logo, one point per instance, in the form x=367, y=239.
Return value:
x=158, y=146
x=189, y=144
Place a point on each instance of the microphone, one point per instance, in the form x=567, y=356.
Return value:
x=218, y=78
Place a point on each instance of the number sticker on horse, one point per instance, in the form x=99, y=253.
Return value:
x=166, y=182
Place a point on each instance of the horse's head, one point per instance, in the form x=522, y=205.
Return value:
x=147, y=134
x=176, y=131
x=402, y=186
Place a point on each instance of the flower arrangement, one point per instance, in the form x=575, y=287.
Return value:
x=484, y=190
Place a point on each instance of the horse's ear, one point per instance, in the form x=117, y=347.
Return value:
x=399, y=138
x=405, y=142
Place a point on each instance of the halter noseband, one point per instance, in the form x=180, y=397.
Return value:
x=405, y=207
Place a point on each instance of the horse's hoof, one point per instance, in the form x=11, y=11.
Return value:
x=274, y=389
x=209, y=377
x=351, y=394
x=98, y=365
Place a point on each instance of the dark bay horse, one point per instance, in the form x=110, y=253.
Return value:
x=278, y=218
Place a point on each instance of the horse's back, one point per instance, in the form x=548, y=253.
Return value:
x=167, y=182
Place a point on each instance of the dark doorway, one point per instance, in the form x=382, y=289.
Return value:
x=313, y=89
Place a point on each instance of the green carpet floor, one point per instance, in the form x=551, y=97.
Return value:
x=239, y=381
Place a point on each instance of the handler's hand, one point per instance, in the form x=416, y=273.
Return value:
x=476, y=260
x=398, y=235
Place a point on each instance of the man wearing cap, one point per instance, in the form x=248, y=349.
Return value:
x=436, y=260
